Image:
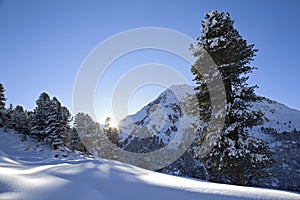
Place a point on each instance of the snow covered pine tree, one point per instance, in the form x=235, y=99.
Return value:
x=55, y=127
x=50, y=121
x=38, y=123
x=19, y=120
x=75, y=141
x=111, y=132
x=2, y=106
x=237, y=157
x=2, y=97
x=88, y=130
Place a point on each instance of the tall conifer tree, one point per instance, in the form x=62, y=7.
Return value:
x=236, y=154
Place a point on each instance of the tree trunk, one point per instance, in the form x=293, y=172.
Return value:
x=240, y=180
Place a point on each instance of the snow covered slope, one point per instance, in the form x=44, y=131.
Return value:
x=31, y=171
x=162, y=118
x=280, y=117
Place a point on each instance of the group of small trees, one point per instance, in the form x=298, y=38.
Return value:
x=91, y=132
x=3, y=111
x=15, y=118
x=51, y=122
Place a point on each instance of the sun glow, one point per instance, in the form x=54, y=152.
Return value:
x=114, y=123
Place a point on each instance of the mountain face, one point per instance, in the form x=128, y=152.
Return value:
x=161, y=120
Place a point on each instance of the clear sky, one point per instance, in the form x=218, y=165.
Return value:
x=43, y=43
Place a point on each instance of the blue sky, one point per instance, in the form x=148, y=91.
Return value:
x=43, y=43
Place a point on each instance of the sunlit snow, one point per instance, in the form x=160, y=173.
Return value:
x=31, y=171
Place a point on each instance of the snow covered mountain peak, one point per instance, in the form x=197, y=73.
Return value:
x=160, y=117
x=167, y=105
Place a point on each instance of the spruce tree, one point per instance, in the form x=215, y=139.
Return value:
x=88, y=130
x=54, y=125
x=19, y=120
x=2, y=97
x=237, y=153
x=75, y=141
x=111, y=132
x=57, y=124
x=3, y=112
x=65, y=121
x=39, y=119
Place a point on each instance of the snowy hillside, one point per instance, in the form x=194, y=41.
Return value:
x=280, y=117
x=31, y=171
x=281, y=130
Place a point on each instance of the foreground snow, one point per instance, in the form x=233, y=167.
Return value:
x=28, y=171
